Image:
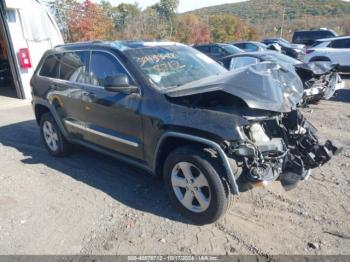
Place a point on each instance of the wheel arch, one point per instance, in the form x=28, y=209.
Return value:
x=39, y=110
x=40, y=107
x=320, y=58
x=169, y=141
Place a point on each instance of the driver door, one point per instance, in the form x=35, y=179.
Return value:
x=112, y=119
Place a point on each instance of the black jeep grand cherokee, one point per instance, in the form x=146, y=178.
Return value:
x=174, y=112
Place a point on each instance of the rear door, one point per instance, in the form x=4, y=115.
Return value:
x=340, y=52
x=66, y=75
x=112, y=119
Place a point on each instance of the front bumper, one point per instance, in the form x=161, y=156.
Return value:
x=291, y=153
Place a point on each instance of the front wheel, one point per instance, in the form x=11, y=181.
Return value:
x=194, y=185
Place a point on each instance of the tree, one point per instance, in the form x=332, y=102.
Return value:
x=166, y=10
x=121, y=14
x=61, y=10
x=228, y=28
x=346, y=27
x=223, y=28
x=191, y=29
x=87, y=21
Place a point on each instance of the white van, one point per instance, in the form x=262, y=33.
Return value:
x=27, y=30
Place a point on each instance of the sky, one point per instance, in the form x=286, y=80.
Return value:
x=185, y=5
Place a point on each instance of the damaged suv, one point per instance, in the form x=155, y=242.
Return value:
x=169, y=109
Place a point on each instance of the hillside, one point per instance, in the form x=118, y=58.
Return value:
x=266, y=15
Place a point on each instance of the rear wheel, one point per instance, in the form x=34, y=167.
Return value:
x=53, y=138
x=194, y=185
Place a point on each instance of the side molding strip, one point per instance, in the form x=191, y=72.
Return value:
x=230, y=175
x=87, y=129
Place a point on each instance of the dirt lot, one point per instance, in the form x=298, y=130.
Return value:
x=92, y=204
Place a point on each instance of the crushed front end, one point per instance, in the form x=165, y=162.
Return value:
x=320, y=80
x=284, y=147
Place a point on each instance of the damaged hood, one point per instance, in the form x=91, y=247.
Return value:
x=265, y=86
x=317, y=68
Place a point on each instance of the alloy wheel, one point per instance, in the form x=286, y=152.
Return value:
x=191, y=187
x=50, y=135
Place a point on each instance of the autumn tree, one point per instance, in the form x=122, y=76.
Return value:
x=81, y=21
x=346, y=27
x=227, y=28
x=87, y=21
x=191, y=29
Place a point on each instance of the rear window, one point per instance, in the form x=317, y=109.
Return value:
x=50, y=67
x=309, y=37
x=74, y=67
x=204, y=49
x=240, y=45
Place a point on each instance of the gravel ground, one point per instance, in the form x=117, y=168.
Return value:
x=92, y=204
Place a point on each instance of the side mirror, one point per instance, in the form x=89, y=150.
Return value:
x=119, y=83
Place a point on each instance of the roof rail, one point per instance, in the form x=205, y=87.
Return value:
x=80, y=43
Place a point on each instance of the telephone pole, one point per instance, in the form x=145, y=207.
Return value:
x=282, y=27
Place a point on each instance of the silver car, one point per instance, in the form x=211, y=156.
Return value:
x=335, y=50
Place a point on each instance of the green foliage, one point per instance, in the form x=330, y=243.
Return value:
x=166, y=9
x=267, y=9
x=266, y=15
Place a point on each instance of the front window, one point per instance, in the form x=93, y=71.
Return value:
x=103, y=66
x=173, y=65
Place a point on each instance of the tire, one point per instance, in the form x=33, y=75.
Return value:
x=213, y=191
x=52, y=136
x=331, y=88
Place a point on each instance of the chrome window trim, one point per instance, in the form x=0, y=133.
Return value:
x=115, y=138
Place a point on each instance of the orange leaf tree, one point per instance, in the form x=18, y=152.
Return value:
x=87, y=21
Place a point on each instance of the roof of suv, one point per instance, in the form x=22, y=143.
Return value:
x=334, y=38
x=120, y=45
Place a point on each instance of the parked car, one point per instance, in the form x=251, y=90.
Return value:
x=250, y=46
x=176, y=113
x=320, y=79
x=292, y=50
x=335, y=50
x=309, y=37
x=217, y=51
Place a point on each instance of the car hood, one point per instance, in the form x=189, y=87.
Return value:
x=265, y=86
x=317, y=68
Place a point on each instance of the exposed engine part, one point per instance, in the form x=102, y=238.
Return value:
x=257, y=134
x=305, y=145
x=286, y=148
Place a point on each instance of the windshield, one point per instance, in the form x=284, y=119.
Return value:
x=281, y=58
x=231, y=49
x=173, y=65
